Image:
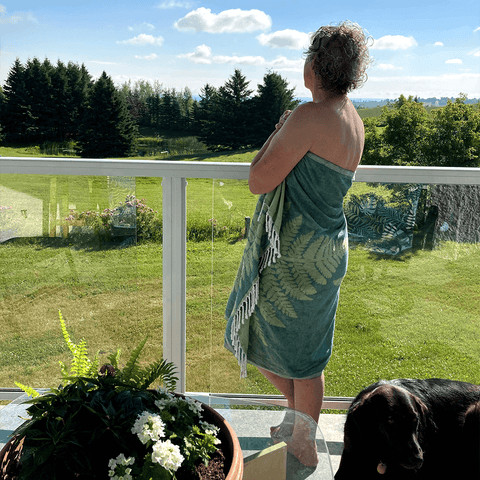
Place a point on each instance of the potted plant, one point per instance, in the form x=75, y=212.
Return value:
x=106, y=423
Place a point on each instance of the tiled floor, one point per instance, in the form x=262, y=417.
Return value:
x=252, y=428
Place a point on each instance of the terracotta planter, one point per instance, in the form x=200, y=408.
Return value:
x=230, y=446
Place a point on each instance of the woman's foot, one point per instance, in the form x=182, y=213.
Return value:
x=302, y=444
x=285, y=429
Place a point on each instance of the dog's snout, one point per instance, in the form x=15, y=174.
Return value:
x=415, y=459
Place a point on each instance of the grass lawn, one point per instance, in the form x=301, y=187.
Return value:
x=412, y=316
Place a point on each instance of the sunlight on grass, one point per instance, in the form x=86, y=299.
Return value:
x=415, y=315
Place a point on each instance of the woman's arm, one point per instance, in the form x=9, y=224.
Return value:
x=285, y=147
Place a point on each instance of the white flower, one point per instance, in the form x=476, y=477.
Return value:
x=195, y=406
x=121, y=460
x=149, y=426
x=167, y=455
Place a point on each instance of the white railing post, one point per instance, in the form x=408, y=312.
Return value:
x=174, y=275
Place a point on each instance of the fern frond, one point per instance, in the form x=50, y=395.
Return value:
x=114, y=358
x=159, y=370
x=29, y=390
x=131, y=366
x=66, y=336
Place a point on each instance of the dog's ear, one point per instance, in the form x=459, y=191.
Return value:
x=420, y=408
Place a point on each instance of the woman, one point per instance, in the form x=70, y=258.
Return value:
x=281, y=313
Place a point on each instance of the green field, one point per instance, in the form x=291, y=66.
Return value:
x=412, y=316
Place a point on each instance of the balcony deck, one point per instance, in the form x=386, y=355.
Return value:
x=251, y=426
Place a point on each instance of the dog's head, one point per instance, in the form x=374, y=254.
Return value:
x=388, y=423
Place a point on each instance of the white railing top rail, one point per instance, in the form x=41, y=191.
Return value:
x=196, y=169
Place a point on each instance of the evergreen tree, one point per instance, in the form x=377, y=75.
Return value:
x=170, y=116
x=154, y=104
x=2, y=105
x=232, y=120
x=78, y=83
x=40, y=94
x=272, y=99
x=204, y=115
x=108, y=129
x=61, y=119
x=16, y=112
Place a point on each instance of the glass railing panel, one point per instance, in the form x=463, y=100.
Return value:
x=408, y=305
x=69, y=243
x=216, y=216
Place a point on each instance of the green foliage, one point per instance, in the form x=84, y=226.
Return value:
x=107, y=129
x=273, y=98
x=408, y=134
x=92, y=414
x=405, y=131
x=81, y=366
x=133, y=213
x=454, y=136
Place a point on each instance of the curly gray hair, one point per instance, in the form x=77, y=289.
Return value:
x=340, y=57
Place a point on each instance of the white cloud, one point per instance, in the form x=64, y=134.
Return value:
x=174, y=4
x=15, y=18
x=153, y=56
x=438, y=44
x=388, y=66
x=143, y=39
x=228, y=21
x=423, y=86
x=477, y=29
x=99, y=62
x=475, y=53
x=454, y=60
x=203, y=55
x=144, y=25
x=282, y=63
x=285, y=39
x=394, y=42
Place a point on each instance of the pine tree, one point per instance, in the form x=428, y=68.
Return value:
x=232, y=120
x=79, y=83
x=40, y=93
x=272, y=99
x=108, y=129
x=16, y=112
x=205, y=113
x=170, y=116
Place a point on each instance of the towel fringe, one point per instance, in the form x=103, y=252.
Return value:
x=244, y=311
x=247, y=306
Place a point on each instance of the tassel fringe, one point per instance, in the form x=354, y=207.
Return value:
x=249, y=302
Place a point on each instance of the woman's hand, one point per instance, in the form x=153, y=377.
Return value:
x=282, y=119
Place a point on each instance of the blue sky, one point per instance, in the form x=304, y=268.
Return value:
x=424, y=47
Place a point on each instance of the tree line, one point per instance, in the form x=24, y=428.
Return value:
x=407, y=134
x=43, y=102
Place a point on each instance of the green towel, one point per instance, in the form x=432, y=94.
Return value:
x=262, y=249
x=281, y=312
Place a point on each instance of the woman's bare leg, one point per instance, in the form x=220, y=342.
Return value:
x=308, y=400
x=309, y=396
x=285, y=386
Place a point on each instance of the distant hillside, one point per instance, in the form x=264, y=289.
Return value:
x=429, y=102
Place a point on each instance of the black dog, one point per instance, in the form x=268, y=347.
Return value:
x=413, y=429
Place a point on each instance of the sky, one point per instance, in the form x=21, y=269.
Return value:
x=425, y=47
